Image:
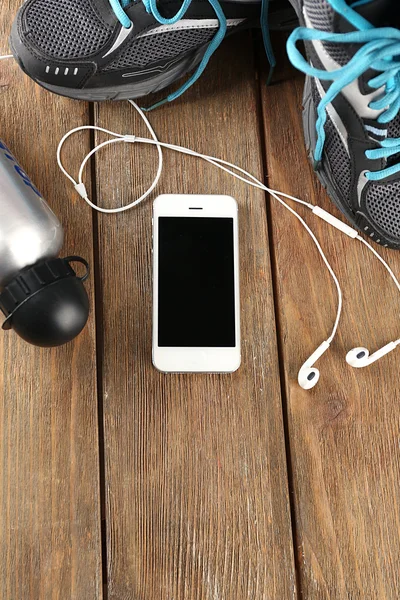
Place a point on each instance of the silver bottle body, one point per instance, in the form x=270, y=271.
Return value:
x=29, y=231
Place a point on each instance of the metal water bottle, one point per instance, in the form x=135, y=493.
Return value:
x=41, y=296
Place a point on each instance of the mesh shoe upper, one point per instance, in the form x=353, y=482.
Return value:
x=383, y=204
x=66, y=29
x=160, y=46
x=72, y=29
x=320, y=13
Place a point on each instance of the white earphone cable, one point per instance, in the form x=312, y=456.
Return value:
x=231, y=169
x=226, y=166
x=323, y=256
x=235, y=171
x=80, y=187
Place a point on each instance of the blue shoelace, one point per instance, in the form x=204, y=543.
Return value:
x=380, y=51
x=119, y=6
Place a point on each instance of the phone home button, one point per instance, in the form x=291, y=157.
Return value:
x=198, y=361
x=202, y=358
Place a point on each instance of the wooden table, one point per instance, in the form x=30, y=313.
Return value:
x=120, y=483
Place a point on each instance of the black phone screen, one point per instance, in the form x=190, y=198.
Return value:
x=196, y=284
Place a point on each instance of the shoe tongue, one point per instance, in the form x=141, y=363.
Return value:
x=381, y=13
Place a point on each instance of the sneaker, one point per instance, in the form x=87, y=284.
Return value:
x=352, y=107
x=118, y=49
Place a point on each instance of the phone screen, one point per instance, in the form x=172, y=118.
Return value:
x=196, y=285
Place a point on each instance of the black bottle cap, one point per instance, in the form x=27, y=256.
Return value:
x=47, y=304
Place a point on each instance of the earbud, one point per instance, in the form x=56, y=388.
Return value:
x=308, y=375
x=360, y=357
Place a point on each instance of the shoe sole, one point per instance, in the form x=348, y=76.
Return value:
x=361, y=222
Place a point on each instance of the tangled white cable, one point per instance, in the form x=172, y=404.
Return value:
x=117, y=138
x=308, y=374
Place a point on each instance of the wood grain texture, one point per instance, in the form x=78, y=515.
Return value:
x=50, y=546
x=196, y=483
x=344, y=435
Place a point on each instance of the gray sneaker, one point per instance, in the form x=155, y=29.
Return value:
x=118, y=49
x=352, y=107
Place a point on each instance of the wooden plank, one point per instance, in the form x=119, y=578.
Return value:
x=196, y=484
x=50, y=542
x=344, y=434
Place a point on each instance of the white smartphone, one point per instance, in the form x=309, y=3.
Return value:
x=196, y=300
